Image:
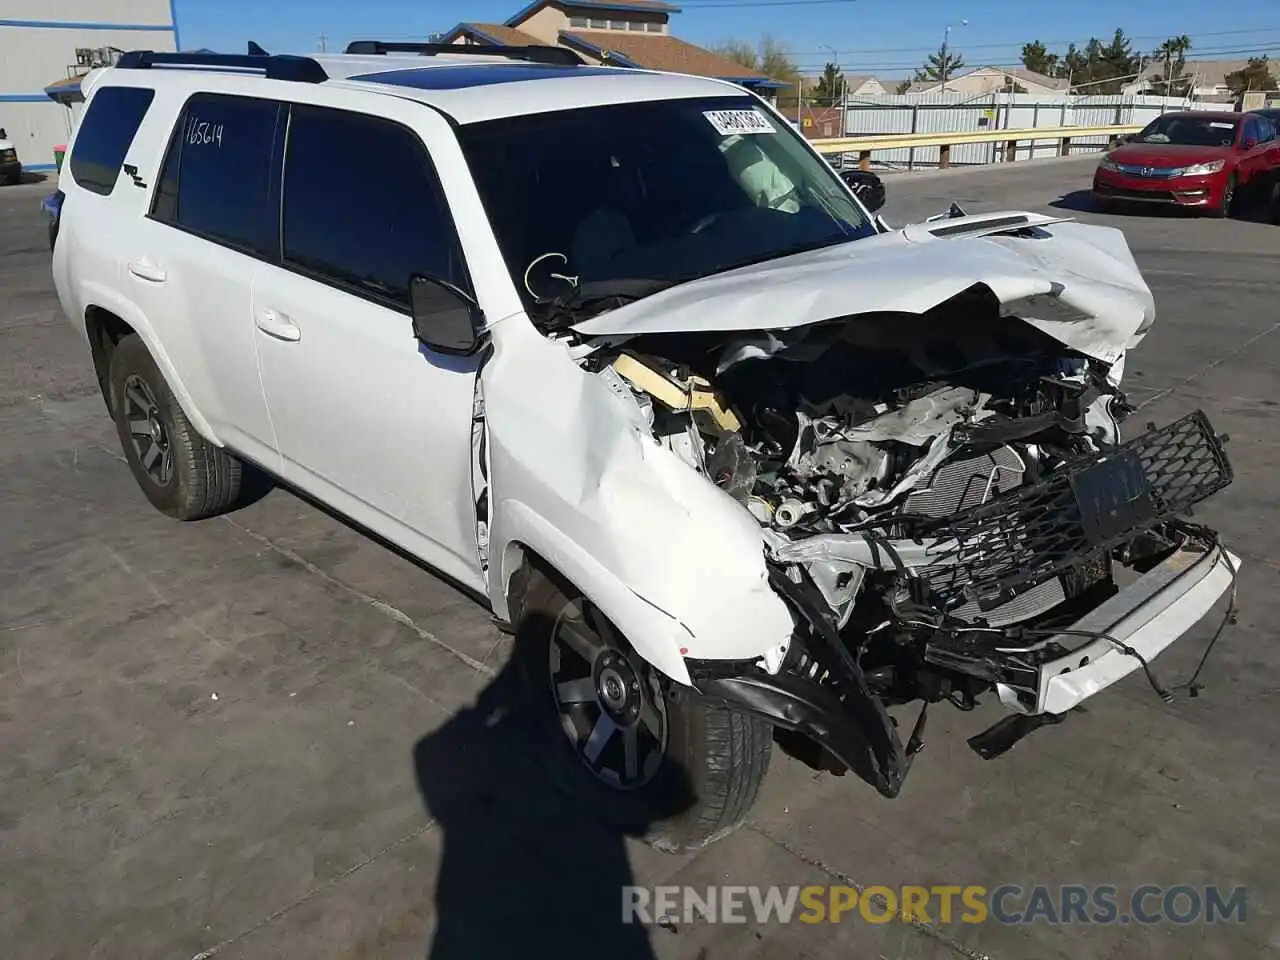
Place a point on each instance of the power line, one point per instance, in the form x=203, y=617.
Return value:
x=850, y=63
x=1018, y=44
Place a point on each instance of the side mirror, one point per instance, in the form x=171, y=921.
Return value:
x=445, y=319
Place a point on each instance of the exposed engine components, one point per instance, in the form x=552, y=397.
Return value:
x=688, y=393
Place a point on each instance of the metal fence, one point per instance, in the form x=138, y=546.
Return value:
x=957, y=113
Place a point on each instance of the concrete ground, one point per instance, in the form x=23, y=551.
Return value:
x=259, y=736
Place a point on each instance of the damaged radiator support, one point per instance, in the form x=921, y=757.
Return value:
x=991, y=554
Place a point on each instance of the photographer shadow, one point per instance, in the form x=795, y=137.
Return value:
x=526, y=870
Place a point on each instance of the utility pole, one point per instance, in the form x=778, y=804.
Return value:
x=324, y=43
x=835, y=62
x=946, y=38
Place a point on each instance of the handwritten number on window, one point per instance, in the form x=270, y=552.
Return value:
x=203, y=133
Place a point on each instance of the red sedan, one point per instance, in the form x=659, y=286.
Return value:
x=1192, y=159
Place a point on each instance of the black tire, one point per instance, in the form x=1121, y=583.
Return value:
x=714, y=761
x=1228, y=205
x=182, y=474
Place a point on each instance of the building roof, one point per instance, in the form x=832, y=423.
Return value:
x=1207, y=73
x=1017, y=73
x=498, y=34
x=652, y=6
x=1040, y=79
x=655, y=51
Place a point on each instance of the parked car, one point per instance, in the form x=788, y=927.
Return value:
x=617, y=351
x=1203, y=160
x=10, y=165
x=866, y=186
x=1272, y=114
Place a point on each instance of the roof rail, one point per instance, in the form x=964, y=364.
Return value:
x=279, y=67
x=535, y=53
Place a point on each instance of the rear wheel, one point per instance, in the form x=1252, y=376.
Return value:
x=641, y=753
x=181, y=473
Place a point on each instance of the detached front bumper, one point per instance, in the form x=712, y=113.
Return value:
x=1147, y=617
x=1074, y=528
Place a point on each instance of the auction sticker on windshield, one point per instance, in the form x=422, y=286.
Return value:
x=734, y=122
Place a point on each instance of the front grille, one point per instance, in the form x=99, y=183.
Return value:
x=1035, y=534
x=1153, y=173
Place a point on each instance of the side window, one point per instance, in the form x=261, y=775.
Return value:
x=107, y=130
x=215, y=181
x=1251, y=131
x=1266, y=130
x=366, y=231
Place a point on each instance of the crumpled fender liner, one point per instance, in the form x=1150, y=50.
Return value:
x=849, y=721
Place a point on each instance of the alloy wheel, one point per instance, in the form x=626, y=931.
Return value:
x=610, y=702
x=147, y=432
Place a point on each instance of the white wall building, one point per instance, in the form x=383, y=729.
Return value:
x=42, y=42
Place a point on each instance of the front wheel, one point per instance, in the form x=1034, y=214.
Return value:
x=181, y=473
x=1226, y=206
x=641, y=753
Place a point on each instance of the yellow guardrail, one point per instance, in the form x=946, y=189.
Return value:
x=865, y=146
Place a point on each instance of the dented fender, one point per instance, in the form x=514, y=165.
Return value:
x=673, y=561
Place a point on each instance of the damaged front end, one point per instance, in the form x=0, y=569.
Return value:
x=946, y=507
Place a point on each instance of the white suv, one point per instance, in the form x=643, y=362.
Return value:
x=620, y=352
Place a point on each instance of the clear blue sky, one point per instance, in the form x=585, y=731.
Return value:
x=888, y=37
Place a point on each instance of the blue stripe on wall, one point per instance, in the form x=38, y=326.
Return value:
x=23, y=97
x=76, y=25
x=39, y=167
x=173, y=18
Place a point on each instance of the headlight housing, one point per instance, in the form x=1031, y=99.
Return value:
x=1202, y=169
x=1109, y=164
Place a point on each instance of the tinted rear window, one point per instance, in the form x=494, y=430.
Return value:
x=107, y=130
x=216, y=176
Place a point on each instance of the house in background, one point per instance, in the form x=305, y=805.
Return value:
x=864, y=86
x=1207, y=79
x=629, y=33
x=991, y=79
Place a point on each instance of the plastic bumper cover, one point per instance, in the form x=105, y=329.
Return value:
x=1147, y=616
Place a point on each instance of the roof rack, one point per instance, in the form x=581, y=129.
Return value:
x=279, y=67
x=535, y=53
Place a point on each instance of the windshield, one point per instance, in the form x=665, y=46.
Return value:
x=659, y=191
x=1189, y=131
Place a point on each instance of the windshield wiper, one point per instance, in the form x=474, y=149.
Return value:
x=587, y=300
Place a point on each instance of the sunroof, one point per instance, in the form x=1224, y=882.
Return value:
x=480, y=75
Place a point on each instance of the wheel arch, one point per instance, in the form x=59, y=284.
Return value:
x=531, y=545
x=107, y=319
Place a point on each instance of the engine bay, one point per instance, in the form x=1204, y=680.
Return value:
x=839, y=425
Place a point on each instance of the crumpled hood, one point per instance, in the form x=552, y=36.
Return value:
x=1092, y=295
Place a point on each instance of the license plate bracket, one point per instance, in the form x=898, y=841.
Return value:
x=1113, y=496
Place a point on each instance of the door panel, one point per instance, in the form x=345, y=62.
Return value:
x=191, y=258
x=365, y=417
x=370, y=422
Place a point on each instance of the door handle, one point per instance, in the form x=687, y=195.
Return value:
x=145, y=269
x=277, y=325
